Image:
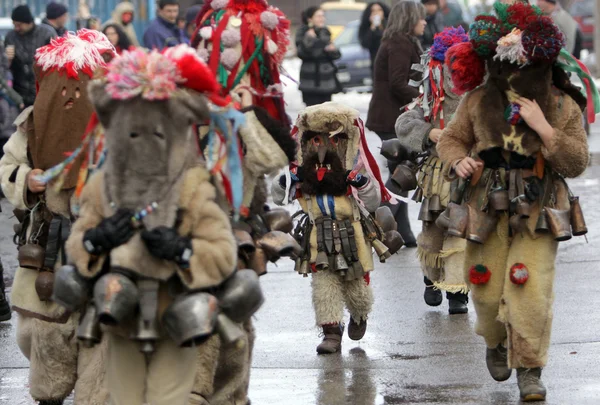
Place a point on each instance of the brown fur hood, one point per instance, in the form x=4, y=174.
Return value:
x=479, y=124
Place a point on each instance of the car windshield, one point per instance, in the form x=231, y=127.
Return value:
x=582, y=8
x=348, y=36
x=341, y=17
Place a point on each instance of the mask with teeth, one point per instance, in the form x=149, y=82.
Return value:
x=323, y=156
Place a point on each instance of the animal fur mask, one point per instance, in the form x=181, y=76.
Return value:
x=62, y=108
x=341, y=133
x=147, y=121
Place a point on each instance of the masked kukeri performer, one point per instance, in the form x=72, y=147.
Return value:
x=514, y=139
x=45, y=132
x=152, y=242
x=418, y=130
x=337, y=183
x=244, y=43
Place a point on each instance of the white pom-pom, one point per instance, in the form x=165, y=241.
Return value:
x=272, y=47
x=230, y=57
x=219, y=4
x=269, y=20
x=206, y=33
x=203, y=54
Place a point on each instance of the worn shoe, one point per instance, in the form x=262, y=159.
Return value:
x=356, y=331
x=433, y=297
x=457, y=303
x=332, y=339
x=530, y=384
x=497, y=363
x=51, y=402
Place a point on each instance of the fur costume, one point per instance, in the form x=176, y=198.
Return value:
x=516, y=311
x=440, y=254
x=149, y=117
x=243, y=43
x=331, y=150
x=56, y=122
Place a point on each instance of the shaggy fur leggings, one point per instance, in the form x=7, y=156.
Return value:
x=518, y=316
x=330, y=292
x=57, y=365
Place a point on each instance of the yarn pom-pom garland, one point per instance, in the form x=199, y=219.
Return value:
x=466, y=68
x=230, y=57
x=542, y=41
x=150, y=75
x=219, y=4
x=510, y=48
x=519, y=274
x=444, y=40
x=479, y=274
x=231, y=38
x=269, y=20
x=484, y=34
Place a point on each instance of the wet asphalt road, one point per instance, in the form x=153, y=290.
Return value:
x=411, y=354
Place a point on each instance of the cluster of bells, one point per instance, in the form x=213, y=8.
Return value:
x=465, y=221
x=189, y=320
x=271, y=241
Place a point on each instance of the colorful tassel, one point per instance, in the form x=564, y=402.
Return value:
x=573, y=65
x=479, y=274
x=512, y=114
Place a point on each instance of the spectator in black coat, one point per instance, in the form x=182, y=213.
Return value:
x=20, y=45
x=435, y=22
x=318, y=80
x=372, y=24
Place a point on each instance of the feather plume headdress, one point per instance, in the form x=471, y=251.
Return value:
x=153, y=75
x=75, y=52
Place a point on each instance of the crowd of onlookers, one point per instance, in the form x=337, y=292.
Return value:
x=171, y=27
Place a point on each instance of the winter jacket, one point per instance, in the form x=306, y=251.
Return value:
x=162, y=34
x=22, y=65
x=371, y=40
x=435, y=24
x=391, y=91
x=59, y=31
x=318, y=73
x=117, y=19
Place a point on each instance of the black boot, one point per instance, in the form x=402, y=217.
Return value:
x=51, y=402
x=433, y=297
x=457, y=303
x=4, y=305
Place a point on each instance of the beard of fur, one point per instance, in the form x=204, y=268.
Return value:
x=333, y=183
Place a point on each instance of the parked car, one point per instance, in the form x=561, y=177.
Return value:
x=583, y=12
x=338, y=14
x=354, y=67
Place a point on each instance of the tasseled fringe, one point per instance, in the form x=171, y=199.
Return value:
x=434, y=260
x=452, y=288
x=447, y=253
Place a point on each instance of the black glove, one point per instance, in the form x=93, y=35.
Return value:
x=110, y=233
x=165, y=243
x=358, y=181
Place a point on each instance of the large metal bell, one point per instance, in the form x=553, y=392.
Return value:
x=279, y=219
x=385, y=219
x=88, y=331
x=116, y=298
x=71, y=290
x=191, y=318
x=278, y=244
x=241, y=296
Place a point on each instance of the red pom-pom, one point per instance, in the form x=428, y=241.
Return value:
x=479, y=274
x=519, y=274
x=196, y=73
x=466, y=67
x=520, y=15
